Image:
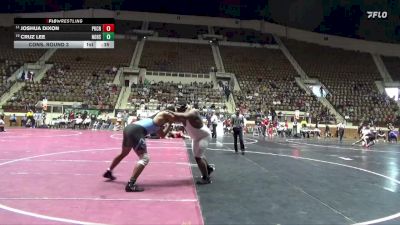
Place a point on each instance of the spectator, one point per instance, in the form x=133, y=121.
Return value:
x=78, y=122
x=125, y=117
x=38, y=119
x=23, y=76
x=13, y=119
x=227, y=92
x=93, y=119
x=86, y=122
x=327, y=131
x=303, y=123
x=119, y=117
x=23, y=120
x=2, y=124
x=30, y=118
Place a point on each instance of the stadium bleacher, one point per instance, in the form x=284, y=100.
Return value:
x=154, y=96
x=12, y=59
x=177, y=57
x=349, y=76
x=266, y=79
x=78, y=76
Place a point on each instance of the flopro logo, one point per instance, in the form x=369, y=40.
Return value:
x=377, y=14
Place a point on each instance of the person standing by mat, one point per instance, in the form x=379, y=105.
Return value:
x=134, y=137
x=214, y=122
x=201, y=136
x=237, y=121
x=340, y=128
x=2, y=123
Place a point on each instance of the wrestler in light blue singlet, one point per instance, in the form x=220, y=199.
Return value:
x=149, y=125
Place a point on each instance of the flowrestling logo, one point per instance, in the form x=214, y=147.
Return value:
x=377, y=14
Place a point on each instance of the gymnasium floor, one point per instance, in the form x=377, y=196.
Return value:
x=54, y=177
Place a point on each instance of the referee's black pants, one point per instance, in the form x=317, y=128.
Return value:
x=214, y=130
x=238, y=131
x=341, y=133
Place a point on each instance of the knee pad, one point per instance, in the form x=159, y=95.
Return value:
x=144, y=160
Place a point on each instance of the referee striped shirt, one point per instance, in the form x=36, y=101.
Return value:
x=237, y=121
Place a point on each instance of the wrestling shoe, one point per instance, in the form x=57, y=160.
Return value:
x=204, y=180
x=132, y=187
x=108, y=174
x=210, y=168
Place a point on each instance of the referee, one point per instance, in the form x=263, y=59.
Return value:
x=237, y=121
x=340, y=128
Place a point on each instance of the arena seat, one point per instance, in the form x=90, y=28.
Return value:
x=159, y=95
x=78, y=75
x=12, y=59
x=267, y=80
x=349, y=77
x=177, y=57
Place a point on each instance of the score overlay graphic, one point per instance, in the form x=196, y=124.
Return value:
x=94, y=33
